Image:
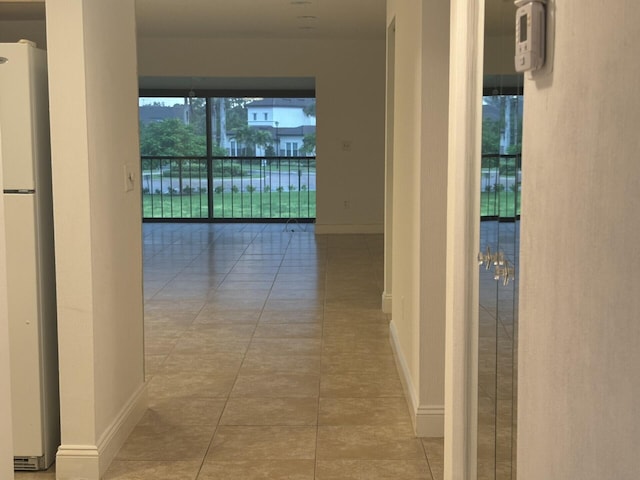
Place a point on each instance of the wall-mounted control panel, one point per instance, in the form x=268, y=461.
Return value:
x=530, y=35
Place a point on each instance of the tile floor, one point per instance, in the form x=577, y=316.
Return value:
x=268, y=358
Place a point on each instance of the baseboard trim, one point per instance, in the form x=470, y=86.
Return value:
x=386, y=303
x=428, y=420
x=90, y=462
x=324, y=229
x=403, y=371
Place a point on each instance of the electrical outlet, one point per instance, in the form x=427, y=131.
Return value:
x=347, y=204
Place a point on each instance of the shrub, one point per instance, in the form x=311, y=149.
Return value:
x=234, y=189
x=250, y=188
x=498, y=187
x=145, y=190
x=292, y=188
x=158, y=191
x=172, y=191
x=188, y=190
x=280, y=189
x=303, y=188
x=266, y=188
x=218, y=189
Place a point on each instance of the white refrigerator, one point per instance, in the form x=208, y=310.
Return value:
x=26, y=165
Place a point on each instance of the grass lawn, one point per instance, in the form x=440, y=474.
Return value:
x=231, y=205
x=499, y=204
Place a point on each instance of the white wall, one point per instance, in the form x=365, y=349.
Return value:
x=420, y=169
x=94, y=132
x=350, y=106
x=579, y=310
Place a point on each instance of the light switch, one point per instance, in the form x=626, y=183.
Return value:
x=129, y=178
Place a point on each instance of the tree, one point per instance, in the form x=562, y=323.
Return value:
x=309, y=140
x=308, y=144
x=251, y=138
x=310, y=110
x=170, y=137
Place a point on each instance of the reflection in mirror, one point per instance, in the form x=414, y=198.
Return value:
x=501, y=177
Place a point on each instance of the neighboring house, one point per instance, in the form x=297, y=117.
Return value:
x=286, y=122
x=158, y=113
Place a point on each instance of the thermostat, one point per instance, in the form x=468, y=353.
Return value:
x=530, y=35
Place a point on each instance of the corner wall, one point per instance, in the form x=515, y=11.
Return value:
x=94, y=135
x=350, y=92
x=419, y=231
x=579, y=304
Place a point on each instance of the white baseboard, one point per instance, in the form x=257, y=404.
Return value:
x=324, y=229
x=386, y=303
x=428, y=420
x=90, y=462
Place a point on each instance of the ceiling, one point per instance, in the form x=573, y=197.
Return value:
x=286, y=19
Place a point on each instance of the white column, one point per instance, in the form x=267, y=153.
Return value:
x=463, y=217
x=94, y=135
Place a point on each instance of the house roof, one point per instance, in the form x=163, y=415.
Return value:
x=282, y=102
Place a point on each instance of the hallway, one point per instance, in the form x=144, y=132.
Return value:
x=268, y=357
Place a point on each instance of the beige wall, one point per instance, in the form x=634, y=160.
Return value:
x=579, y=329
x=34, y=30
x=94, y=120
x=350, y=82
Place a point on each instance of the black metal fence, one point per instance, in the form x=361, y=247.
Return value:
x=228, y=188
x=501, y=177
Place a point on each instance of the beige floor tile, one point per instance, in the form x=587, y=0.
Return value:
x=258, y=470
x=152, y=470
x=271, y=411
x=434, y=449
x=222, y=330
x=291, y=316
x=361, y=385
x=203, y=364
x=368, y=443
x=358, y=363
x=342, y=329
x=276, y=385
x=183, y=411
x=231, y=316
x=352, y=344
x=275, y=363
x=284, y=331
x=262, y=443
x=199, y=343
x=280, y=346
x=167, y=442
x=49, y=474
x=364, y=411
x=152, y=364
x=372, y=470
x=190, y=385
x=288, y=330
